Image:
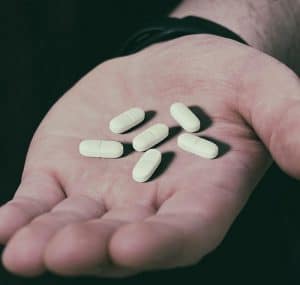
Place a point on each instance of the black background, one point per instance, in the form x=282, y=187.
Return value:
x=46, y=46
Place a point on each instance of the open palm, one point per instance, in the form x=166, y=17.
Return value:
x=76, y=215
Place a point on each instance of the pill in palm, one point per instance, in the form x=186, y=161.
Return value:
x=198, y=146
x=150, y=137
x=101, y=148
x=185, y=117
x=146, y=165
x=127, y=120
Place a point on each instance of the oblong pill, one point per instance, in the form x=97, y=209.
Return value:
x=185, y=117
x=150, y=137
x=101, y=148
x=146, y=165
x=127, y=120
x=198, y=146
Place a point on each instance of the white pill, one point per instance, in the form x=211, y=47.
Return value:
x=146, y=165
x=150, y=137
x=185, y=117
x=101, y=148
x=198, y=146
x=127, y=120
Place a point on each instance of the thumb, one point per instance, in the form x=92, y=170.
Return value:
x=271, y=105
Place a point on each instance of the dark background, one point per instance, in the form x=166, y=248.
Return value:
x=45, y=47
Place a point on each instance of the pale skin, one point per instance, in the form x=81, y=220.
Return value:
x=74, y=215
x=270, y=26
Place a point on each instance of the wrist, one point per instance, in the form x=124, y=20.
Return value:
x=170, y=28
x=267, y=25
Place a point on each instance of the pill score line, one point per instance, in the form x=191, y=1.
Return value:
x=127, y=120
x=150, y=137
x=101, y=148
x=146, y=165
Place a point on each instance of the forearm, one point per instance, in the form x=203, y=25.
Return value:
x=269, y=25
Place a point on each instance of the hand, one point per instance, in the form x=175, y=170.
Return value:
x=75, y=215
